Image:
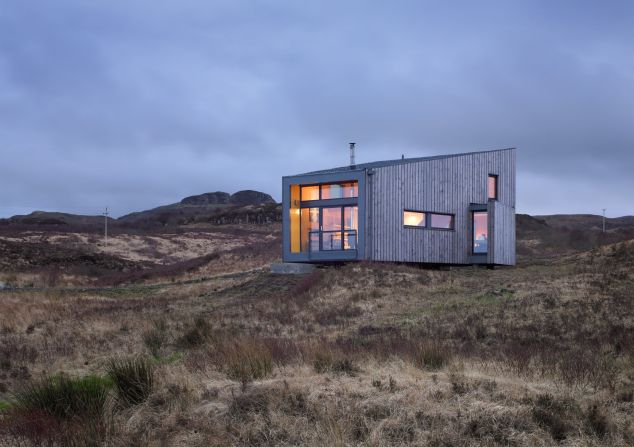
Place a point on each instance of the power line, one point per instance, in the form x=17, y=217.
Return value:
x=604, y=219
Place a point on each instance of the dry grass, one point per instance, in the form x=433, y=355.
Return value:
x=357, y=355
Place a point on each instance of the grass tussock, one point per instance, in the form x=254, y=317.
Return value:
x=248, y=359
x=65, y=398
x=133, y=379
x=431, y=356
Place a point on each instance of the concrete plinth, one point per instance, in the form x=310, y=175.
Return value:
x=291, y=268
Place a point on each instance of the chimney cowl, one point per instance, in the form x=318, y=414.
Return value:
x=352, y=160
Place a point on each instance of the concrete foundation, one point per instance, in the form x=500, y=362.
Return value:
x=291, y=268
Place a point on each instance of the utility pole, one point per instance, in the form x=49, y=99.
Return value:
x=604, y=219
x=105, y=221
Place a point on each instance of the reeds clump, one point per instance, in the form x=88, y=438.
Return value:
x=431, y=356
x=65, y=398
x=248, y=359
x=133, y=379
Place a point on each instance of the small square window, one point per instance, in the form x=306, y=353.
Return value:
x=413, y=219
x=492, y=187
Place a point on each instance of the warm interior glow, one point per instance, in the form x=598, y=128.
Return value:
x=480, y=232
x=413, y=219
x=492, y=187
x=350, y=189
x=310, y=192
x=310, y=222
x=294, y=219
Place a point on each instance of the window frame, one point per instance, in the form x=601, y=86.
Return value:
x=427, y=220
x=473, y=233
x=424, y=225
x=496, y=177
x=320, y=189
x=453, y=221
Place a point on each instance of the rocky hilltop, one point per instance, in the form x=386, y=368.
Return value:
x=242, y=198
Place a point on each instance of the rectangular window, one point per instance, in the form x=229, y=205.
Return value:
x=492, y=187
x=442, y=221
x=350, y=227
x=413, y=219
x=331, y=192
x=350, y=190
x=310, y=193
x=310, y=224
x=294, y=220
x=480, y=226
x=328, y=191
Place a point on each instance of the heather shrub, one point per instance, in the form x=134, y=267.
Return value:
x=555, y=415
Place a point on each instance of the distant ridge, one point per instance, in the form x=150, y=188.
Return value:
x=203, y=206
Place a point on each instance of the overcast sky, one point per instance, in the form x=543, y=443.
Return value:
x=135, y=104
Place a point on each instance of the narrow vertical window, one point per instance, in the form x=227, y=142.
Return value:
x=480, y=227
x=492, y=187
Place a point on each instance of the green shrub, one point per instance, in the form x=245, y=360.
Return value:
x=65, y=398
x=133, y=379
x=4, y=405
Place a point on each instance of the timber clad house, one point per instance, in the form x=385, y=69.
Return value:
x=449, y=209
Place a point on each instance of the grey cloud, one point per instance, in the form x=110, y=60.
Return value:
x=136, y=104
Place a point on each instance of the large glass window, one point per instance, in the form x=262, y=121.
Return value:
x=310, y=192
x=331, y=192
x=350, y=190
x=413, y=219
x=492, y=187
x=321, y=228
x=331, y=228
x=309, y=223
x=350, y=225
x=480, y=232
x=442, y=221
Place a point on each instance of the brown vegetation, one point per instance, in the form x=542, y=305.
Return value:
x=364, y=354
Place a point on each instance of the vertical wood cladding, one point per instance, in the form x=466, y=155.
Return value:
x=443, y=185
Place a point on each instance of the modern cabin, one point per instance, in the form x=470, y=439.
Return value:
x=449, y=209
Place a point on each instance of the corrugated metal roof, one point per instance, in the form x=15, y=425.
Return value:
x=380, y=164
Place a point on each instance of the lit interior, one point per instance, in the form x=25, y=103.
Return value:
x=294, y=219
x=492, y=187
x=323, y=227
x=413, y=219
x=310, y=193
x=480, y=232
